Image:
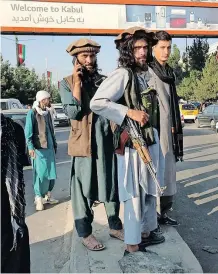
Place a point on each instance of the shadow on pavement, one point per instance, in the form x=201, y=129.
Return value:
x=49, y=256
x=187, y=165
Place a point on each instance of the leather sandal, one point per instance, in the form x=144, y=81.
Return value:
x=88, y=243
x=119, y=234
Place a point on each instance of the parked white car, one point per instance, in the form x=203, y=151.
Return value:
x=10, y=103
x=60, y=118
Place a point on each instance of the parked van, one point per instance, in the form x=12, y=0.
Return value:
x=189, y=111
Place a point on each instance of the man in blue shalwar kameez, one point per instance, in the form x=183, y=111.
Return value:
x=41, y=142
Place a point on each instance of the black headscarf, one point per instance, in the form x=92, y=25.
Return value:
x=166, y=75
x=15, y=257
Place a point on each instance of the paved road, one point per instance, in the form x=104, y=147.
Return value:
x=196, y=205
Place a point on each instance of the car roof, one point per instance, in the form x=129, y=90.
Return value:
x=9, y=99
x=57, y=105
x=212, y=105
x=188, y=104
x=15, y=111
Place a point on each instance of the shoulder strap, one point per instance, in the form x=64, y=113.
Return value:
x=99, y=80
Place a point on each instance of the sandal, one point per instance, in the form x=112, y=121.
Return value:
x=117, y=234
x=92, y=244
x=96, y=203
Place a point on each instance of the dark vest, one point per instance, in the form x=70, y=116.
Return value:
x=79, y=143
x=39, y=131
x=133, y=98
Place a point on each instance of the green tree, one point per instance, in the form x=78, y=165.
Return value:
x=26, y=84
x=56, y=98
x=23, y=84
x=207, y=86
x=19, y=82
x=7, y=74
x=174, y=57
x=174, y=63
x=187, y=87
x=197, y=54
x=185, y=64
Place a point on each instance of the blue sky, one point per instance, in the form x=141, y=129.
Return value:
x=53, y=48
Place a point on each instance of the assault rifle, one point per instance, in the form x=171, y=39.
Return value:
x=140, y=145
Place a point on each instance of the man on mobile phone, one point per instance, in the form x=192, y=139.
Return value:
x=93, y=170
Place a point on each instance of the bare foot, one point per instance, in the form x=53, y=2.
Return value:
x=132, y=248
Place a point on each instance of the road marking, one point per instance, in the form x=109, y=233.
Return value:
x=213, y=210
x=62, y=130
x=64, y=162
x=206, y=200
x=196, y=195
x=62, y=142
x=59, y=163
x=201, y=180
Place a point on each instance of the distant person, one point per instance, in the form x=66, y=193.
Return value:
x=41, y=142
x=29, y=106
x=52, y=112
x=15, y=249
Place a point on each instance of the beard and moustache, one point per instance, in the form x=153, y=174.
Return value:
x=141, y=66
x=90, y=75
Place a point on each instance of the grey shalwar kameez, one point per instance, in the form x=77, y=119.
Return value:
x=136, y=187
x=92, y=178
x=165, y=140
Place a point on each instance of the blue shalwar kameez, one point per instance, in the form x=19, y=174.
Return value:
x=44, y=165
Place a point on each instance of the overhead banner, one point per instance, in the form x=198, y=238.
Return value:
x=76, y=18
x=196, y=1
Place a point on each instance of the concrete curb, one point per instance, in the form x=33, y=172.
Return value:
x=174, y=250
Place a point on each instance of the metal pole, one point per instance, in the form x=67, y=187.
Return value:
x=17, y=53
x=46, y=65
x=46, y=74
x=57, y=77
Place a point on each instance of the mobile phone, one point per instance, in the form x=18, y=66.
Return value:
x=83, y=69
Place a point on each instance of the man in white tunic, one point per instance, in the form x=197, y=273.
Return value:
x=118, y=97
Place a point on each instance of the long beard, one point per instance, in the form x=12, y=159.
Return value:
x=141, y=67
x=90, y=74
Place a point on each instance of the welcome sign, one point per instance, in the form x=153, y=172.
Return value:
x=59, y=17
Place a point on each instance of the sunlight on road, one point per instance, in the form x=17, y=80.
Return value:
x=199, y=173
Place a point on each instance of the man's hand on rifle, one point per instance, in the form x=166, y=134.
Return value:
x=139, y=116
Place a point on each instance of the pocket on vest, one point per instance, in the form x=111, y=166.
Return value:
x=75, y=134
